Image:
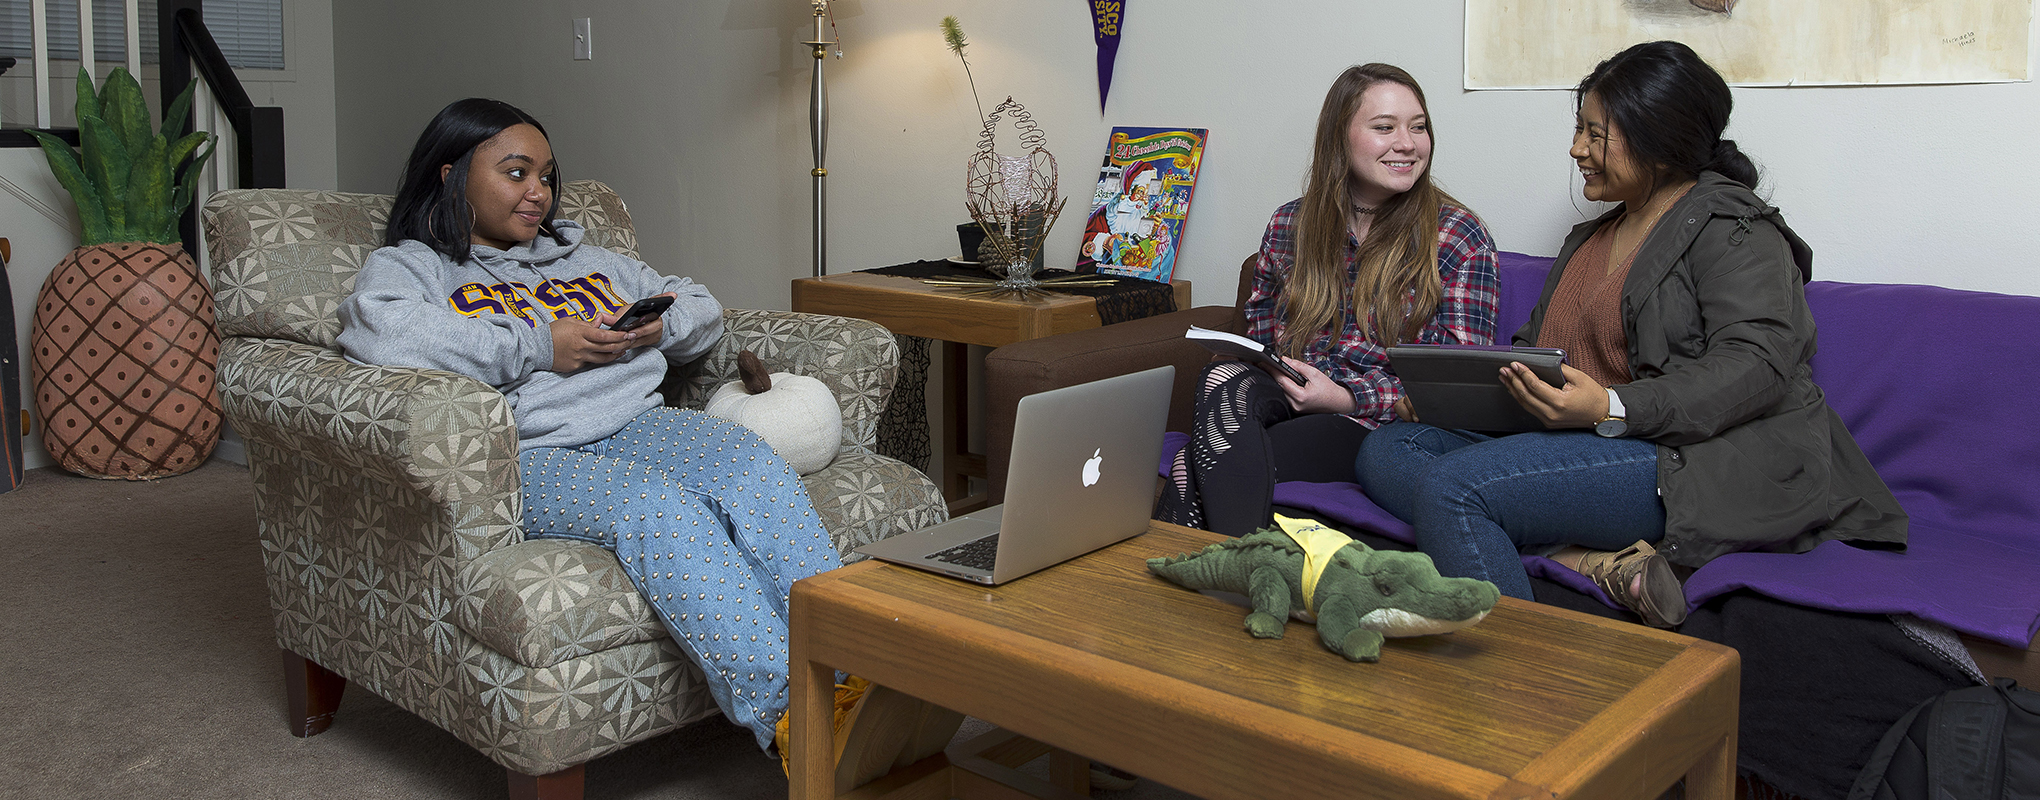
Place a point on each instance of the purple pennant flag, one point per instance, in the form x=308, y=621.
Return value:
x=1107, y=16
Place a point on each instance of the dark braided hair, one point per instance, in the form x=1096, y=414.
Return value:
x=1671, y=108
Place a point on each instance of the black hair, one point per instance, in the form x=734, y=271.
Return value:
x=1671, y=108
x=435, y=211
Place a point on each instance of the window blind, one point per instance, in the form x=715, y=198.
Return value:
x=249, y=32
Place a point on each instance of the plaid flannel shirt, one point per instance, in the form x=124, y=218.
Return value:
x=1466, y=310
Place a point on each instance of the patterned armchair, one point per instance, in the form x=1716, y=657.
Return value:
x=388, y=503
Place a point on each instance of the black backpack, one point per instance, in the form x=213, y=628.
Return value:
x=1973, y=743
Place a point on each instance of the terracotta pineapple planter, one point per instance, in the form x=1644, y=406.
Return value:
x=122, y=351
x=122, y=359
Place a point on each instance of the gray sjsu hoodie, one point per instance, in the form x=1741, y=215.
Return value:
x=489, y=319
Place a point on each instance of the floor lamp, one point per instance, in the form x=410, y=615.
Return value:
x=818, y=132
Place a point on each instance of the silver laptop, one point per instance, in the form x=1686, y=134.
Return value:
x=1082, y=476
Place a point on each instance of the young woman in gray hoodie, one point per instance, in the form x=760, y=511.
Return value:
x=479, y=278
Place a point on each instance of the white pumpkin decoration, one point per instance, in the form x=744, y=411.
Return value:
x=795, y=414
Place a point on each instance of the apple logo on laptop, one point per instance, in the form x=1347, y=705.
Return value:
x=1091, y=466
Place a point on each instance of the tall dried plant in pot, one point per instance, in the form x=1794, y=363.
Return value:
x=952, y=36
x=970, y=235
x=123, y=349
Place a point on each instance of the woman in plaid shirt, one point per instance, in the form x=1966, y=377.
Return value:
x=1371, y=233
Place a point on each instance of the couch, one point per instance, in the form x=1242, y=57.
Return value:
x=1937, y=385
x=388, y=502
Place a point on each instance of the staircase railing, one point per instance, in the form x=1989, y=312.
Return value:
x=250, y=150
x=257, y=131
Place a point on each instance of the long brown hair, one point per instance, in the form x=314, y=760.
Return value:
x=1398, y=257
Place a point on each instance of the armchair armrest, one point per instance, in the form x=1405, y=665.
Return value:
x=444, y=437
x=1053, y=362
x=857, y=359
x=544, y=601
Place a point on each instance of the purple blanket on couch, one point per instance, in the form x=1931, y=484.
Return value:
x=1938, y=388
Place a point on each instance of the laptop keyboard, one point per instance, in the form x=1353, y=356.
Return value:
x=976, y=554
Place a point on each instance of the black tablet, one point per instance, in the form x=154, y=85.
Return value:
x=1460, y=386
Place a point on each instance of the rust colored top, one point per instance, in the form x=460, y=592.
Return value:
x=1585, y=316
x=1585, y=319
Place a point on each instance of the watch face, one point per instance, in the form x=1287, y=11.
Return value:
x=1612, y=427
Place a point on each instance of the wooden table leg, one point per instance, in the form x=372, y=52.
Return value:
x=1069, y=772
x=812, y=769
x=1713, y=776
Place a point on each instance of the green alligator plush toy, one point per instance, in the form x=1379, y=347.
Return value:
x=1357, y=594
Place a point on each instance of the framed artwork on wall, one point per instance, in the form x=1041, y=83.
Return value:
x=1550, y=44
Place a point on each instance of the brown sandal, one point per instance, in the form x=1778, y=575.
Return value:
x=1661, y=604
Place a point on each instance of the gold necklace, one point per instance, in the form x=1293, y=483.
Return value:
x=1666, y=198
x=1653, y=213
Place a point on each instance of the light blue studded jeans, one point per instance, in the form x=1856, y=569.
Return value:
x=711, y=525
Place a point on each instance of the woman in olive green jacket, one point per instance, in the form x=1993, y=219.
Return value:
x=1689, y=425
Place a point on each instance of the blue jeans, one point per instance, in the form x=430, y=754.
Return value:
x=711, y=526
x=1475, y=501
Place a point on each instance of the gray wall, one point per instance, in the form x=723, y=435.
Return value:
x=681, y=111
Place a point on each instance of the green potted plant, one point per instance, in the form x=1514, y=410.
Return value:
x=122, y=349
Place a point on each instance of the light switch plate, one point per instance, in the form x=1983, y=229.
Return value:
x=584, y=43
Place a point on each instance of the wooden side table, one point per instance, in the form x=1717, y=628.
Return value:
x=908, y=306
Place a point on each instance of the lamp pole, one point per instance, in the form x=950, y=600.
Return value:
x=818, y=132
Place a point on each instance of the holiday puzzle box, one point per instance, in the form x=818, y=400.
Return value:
x=1141, y=202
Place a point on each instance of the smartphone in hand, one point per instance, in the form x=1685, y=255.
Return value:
x=641, y=312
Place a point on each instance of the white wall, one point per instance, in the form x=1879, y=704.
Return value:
x=304, y=90
x=697, y=113
x=1922, y=184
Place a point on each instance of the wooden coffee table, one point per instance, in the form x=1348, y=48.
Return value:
x=1101, y=658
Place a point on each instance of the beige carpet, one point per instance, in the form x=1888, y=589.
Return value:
x=137, y=661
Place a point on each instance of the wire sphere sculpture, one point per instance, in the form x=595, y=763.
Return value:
x=1013, y=197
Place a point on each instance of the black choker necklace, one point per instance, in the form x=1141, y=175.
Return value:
x=1360, y=209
